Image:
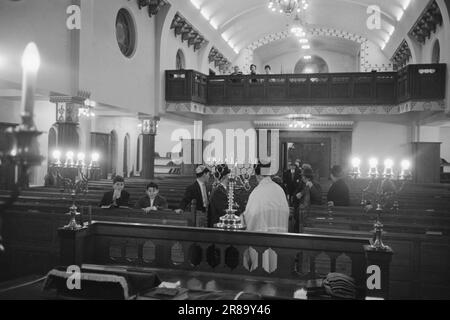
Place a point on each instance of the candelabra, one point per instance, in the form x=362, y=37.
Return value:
x=239, y=178
x=24, y=153
x=75, y=178
x=381, y=191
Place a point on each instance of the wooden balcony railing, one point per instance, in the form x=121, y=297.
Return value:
x=414, y=82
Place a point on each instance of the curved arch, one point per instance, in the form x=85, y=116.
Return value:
x=180, y=60
x=113, y=153
x=139, y=150
x=415, y=49
x=436, y=52
x=163, y=21
x=126, y=155
x=315, y=65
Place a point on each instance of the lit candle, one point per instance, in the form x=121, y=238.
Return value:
x=373, y=172
x=356, y=172
x=94, y=159
x=388, y=165
x=57, y=157
x=30, y=66
x=81, y=156
x=69, y=159
x=406, y=170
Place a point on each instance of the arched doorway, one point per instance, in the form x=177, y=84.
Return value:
x=139, y=154
x=112, y=159
x=436, y=54
x=311, y=64
x=126, y=154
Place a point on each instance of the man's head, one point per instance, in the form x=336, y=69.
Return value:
x=307, y=174
x=336, y=173
x=298, y=163
x=222, y=172
x=152, y=190
x=292, y=166
x=253, y=67
x=202, y=173
x=236, y=69
x=268, y=69
x=118, y=183
x=262, y=170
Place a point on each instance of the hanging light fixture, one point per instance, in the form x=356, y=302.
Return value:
x=288, y=6
x=299, y=121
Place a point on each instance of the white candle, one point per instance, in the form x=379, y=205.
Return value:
x=30, y=66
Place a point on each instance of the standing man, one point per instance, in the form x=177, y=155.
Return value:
x=291, y=180
x=267, y=208
x=197, y=191
x=219, y=196
x=339, y=194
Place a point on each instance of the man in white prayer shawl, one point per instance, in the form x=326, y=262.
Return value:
x=267, y=207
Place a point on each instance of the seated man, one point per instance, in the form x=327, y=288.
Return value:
x=116, y=197
x=197, y=191
x=152, y=201
x=339, y=194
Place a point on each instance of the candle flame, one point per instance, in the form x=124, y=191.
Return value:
x=31, y=59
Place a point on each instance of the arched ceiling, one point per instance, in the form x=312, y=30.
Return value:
x=242, y=22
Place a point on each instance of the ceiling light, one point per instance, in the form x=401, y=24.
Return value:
x=306, y=47
x=195, y=4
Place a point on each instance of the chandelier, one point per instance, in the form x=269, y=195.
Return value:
x=288, y=6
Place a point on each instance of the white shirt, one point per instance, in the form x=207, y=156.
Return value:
x=151, y=202
x=204, y=193
x=267, y=208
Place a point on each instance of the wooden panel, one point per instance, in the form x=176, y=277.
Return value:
x=426, y=162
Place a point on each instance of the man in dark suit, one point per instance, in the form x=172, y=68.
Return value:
x=152, y=201
x=117, y=197
x=219, y=197
x=291, y=180
x=197, y=191
x=339, y=194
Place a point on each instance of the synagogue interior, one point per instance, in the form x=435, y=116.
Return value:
x=225, y=149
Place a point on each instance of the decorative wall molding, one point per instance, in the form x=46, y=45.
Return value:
x=219, y=59
x=402, y=55
x=315, y=125
x=153, y=6
x=427, y=23
x=412, y=106
x=188, y=33
x=365, y=65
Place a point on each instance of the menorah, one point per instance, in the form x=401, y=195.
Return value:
x=75, y=179
x=382, y=191
x=238, y=178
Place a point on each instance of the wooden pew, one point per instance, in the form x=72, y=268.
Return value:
x=186, y=253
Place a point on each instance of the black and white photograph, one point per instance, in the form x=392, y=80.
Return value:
x=264, y=153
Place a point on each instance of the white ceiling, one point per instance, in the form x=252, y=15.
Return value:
x=246, y=21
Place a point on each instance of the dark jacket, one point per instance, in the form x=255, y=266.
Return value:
x=193, y=192
x=218, y=205
x=292, y=182
x=339, y=194
x=310, y=196
x=123, y=201
x=160, y=202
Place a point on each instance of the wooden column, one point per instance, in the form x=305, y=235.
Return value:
x=426, y=162
x=149, y=130
x=71, y=246
x=67, y=121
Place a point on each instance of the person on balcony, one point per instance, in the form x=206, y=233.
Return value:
x=253, y=73
x=339, y=194
x=152, y=201
x=117, y=197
